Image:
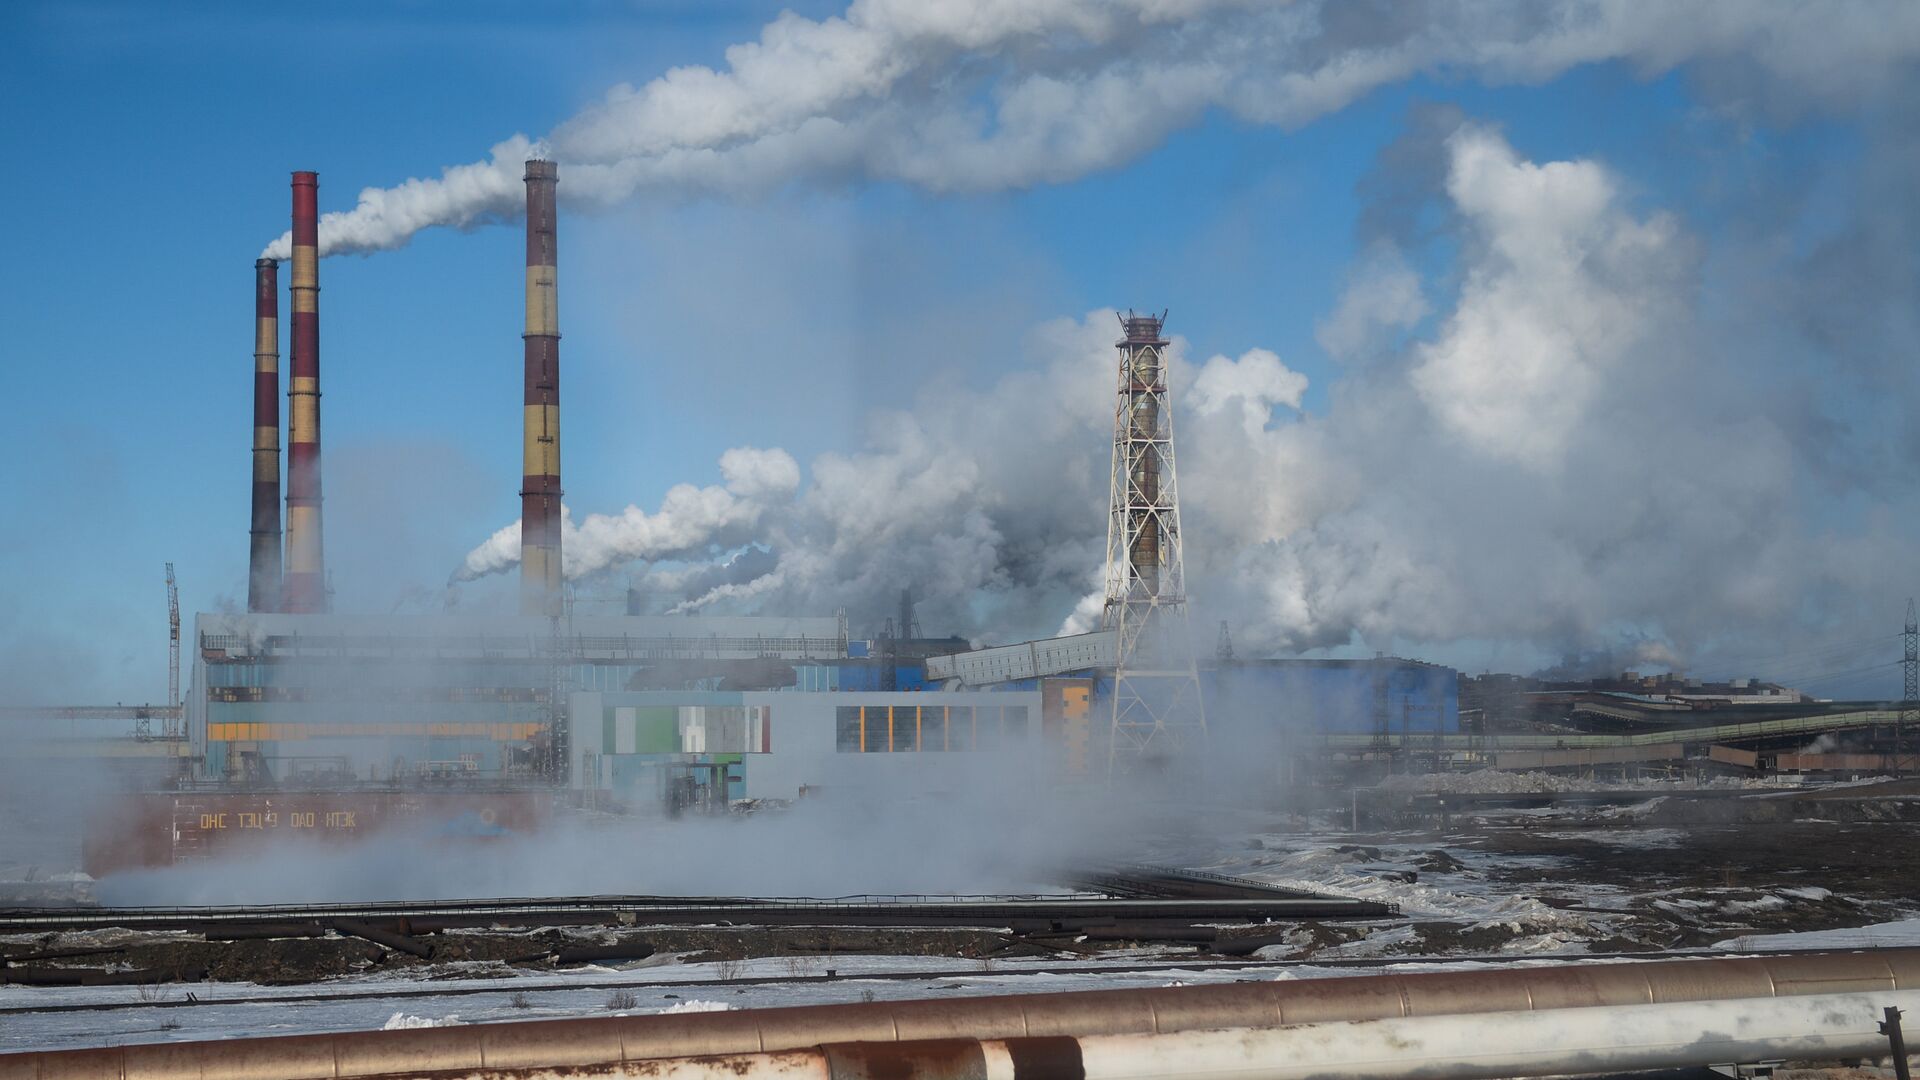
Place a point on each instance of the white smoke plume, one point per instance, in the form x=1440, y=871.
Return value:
x=1554, y=440
x=985, y=502
x=1580, y=449
x=692, y=522
x=993, y=94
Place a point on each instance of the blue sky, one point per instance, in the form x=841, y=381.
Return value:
x=153, y=145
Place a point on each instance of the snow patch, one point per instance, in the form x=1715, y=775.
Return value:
x=1879, y=935
x=1378, y=943
x=1744, y=907
x=693, y=1006
x=404, y=1021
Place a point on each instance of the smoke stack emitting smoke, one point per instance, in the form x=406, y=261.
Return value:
x=263, y=563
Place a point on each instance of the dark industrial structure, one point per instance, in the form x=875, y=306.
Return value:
x=542, y=590
x=1157, y=709
x=263, y=563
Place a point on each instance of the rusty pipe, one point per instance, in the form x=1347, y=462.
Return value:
x=263, y=556
x=561, y=1044
x=540, y=580
x=303, y=584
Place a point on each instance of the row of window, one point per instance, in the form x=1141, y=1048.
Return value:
x=868, y=729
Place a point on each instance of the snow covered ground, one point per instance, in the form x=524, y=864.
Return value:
x=1904, y=932
x=1425, y=877
x=235, y=1010
x=1528, y=886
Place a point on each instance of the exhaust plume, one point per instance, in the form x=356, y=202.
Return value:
x=1577, y=432
x=992, y=94
x=692, y=522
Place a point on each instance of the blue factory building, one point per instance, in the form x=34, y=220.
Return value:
x=1385, y=696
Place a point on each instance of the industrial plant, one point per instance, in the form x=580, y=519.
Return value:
x=552, y=840
x=379, y=721
x=299, y=720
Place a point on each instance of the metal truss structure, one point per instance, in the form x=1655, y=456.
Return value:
x=1903, y=729
x=1157, y=711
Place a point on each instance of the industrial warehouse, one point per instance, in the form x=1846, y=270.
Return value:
x=1506, y=669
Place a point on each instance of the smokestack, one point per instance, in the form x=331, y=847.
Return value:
x=540, y=582
x=305, y=582
x=1146, y=381
x=263, y=563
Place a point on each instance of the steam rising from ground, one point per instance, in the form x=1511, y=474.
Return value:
x=994, y=94
x=993, y=834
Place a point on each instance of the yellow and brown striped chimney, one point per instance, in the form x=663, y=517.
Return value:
x=541, y=585
x=263, y=562
x=304, y=583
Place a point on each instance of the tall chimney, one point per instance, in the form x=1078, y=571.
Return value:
x=541, y=588
x=304, y=586
x=263, y=563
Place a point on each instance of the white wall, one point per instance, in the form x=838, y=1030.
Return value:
x=802, y=728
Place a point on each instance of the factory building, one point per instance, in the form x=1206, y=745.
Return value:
x=318, y=700
x=1386, y=696
x=638, y=707
x=1383, y=695
x=286, y=699
x=631, y=748
x=326, y=699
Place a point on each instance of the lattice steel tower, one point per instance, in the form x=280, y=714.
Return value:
x=1157, y=710
x=1910, y=700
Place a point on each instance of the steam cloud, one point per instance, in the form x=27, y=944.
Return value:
x=969, y=832
x=1571, y=446
x=691, y=521
x=1597, y=428
x=995, y=94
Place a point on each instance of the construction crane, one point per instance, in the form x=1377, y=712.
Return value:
x=173, y=726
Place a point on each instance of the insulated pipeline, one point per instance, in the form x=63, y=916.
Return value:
x=598, y=1046
x=1556, y=1042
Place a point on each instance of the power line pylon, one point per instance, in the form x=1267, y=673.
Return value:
x=1157, y=711
x=173, y=727
x=1910, y=699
